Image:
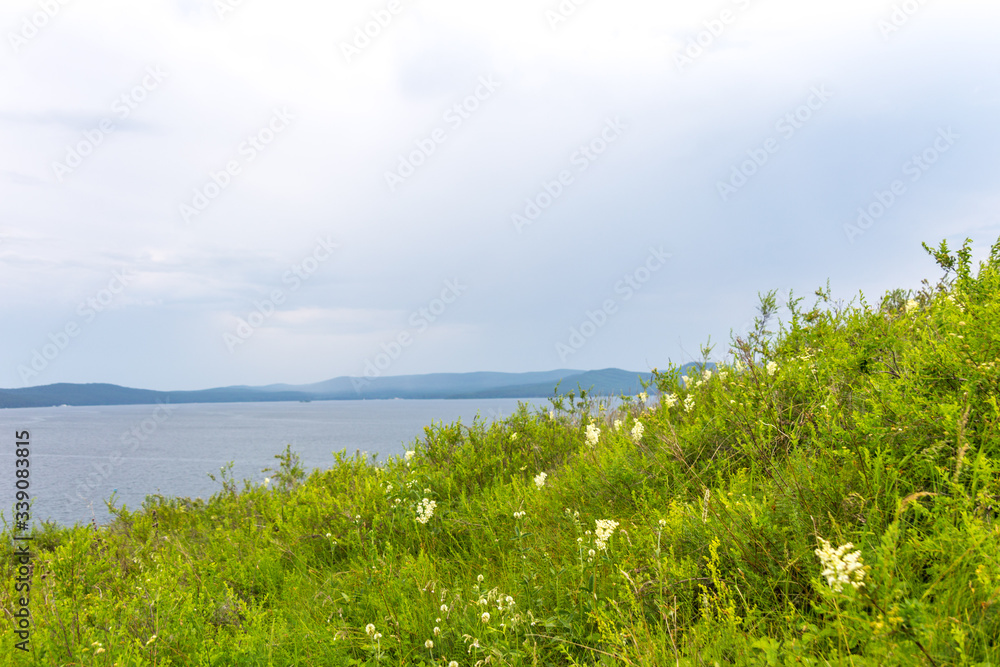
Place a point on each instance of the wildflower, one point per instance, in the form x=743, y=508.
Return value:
x=841, y=567
x=643, y=397
x=408, y=456
x=479, y=578
x=618, y=424
x=452, y=664
x=377, y=636
x=428, y=644
x=425, y=510
x=518, y=515
x=637, y=431
x=706, y=375
x=723, y=375
x=738, y=365
x=540, y=479
x=267, y=481
x=911, y=305
x=772, y=367
x=485, y=618
x=370, y=629
x=591, y=553
x=513, y=437
x=593, y=433
x=603, y=532
x=670, y=400
x=663, y=523
x=684, y=380
x=444, y=608
x=437, y=631
x=689, y=404
x=328, y=535
x=552, y=414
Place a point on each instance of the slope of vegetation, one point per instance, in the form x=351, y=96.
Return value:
x=828, y=494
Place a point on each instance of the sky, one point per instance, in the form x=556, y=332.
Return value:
x=201, y=193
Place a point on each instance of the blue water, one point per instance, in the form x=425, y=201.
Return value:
x=80, y=455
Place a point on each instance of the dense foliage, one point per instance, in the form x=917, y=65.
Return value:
x=826, y=495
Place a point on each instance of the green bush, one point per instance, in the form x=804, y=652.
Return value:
x=827, y=495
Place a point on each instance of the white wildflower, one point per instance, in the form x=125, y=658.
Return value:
x=425, y=510
x=370, y=629
x=689, y=404
x=911, y=305
x=444, y=608
x=593, y=433
x=428, y=644
x=603, y=532
x=637, y=432
x=841, y=566
x=643, y=397
x=772, y=367
x=408, y=456
x=267, y=481
x=485, y=618
x=540, y=479
x=513, y=437
x=437, y=631
x=670, y=400
x=618, y=425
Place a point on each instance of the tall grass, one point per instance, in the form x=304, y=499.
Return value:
x=869, y=424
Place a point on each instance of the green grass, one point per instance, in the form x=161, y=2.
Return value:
x=870, y=424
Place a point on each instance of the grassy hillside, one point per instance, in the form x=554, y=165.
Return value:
x=827, y=495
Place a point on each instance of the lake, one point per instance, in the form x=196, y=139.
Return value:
x=80, y=455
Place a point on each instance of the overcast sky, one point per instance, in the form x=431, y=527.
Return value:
x=200, y=193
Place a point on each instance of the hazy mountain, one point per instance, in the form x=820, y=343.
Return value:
x=607, y=382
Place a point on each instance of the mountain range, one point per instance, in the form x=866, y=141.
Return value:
x=606, y=382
